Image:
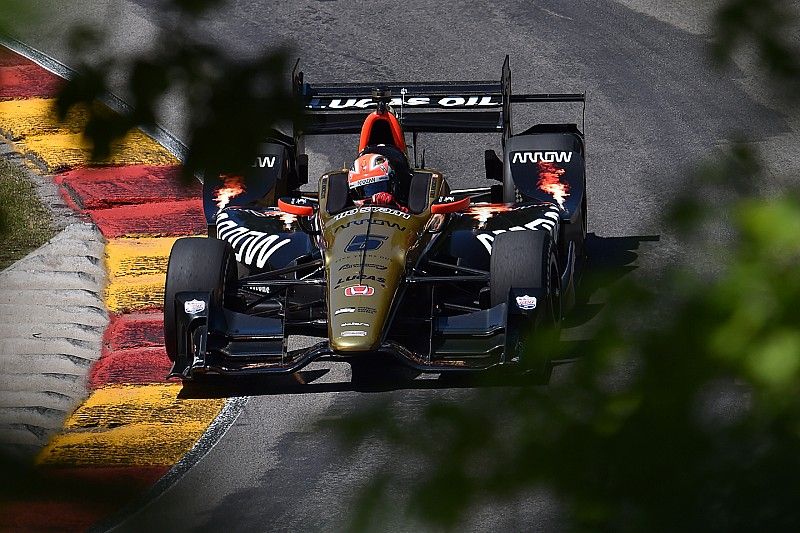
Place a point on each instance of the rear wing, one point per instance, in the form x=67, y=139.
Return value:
x=437, y=107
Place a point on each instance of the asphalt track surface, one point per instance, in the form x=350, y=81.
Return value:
x=655, y=108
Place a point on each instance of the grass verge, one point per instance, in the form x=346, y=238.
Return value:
x=25, y=224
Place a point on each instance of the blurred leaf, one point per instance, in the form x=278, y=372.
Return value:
x=767, y=25
x=233, y=105
x=775, y=363
x=682, y=412
x=85, y=39
x=679, y=412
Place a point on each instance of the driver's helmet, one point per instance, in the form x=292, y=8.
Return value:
x=370, y=174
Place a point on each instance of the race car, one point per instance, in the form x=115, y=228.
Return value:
x=444, y=280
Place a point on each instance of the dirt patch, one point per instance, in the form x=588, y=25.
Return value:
x=32, y=209
x=25, y=222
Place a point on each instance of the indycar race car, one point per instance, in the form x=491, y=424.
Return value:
x=444, y=280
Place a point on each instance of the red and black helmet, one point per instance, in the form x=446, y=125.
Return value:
x=371, y=173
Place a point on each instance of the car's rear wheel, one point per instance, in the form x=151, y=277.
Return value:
x=527, y=260
x=196, y=264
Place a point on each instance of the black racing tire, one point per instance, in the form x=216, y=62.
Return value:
x=195, y=264
x=527, y=259
x=522, y=259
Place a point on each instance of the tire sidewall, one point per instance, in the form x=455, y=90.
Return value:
x=195, y=264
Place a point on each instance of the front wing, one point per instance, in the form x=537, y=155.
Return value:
x=216, y=340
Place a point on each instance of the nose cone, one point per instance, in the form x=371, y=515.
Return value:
x=360, y=308
x=364, y=265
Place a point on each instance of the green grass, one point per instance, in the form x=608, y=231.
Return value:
x=25, y=224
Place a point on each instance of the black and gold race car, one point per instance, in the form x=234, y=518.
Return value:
x=452, y=280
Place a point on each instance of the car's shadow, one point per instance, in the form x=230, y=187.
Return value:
x=610, y=259
x=379, y=373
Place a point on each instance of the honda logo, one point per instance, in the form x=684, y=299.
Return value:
x=359, y=290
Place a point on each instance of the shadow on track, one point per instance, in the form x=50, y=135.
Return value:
x=611, y=258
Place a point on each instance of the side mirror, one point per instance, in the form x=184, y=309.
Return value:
x=448, y=204
x=296, y=206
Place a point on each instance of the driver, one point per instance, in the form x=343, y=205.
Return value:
x=373, y=180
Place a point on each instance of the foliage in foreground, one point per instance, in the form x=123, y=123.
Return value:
x=690, y=423
x=231, y=104
x=682, y=413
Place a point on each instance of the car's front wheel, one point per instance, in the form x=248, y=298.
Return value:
x=527, y=260
x=196, y=264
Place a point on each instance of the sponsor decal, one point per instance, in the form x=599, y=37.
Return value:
x=365, y=310
x=550, y=182
x=266, y=161
x=526, y=302
x=372, y=209
x=366, y=181
x=264, y=290
x=434, y=186
x=193, y=307
x=252, y=247
x=288, y=219
x=353, y=334
x=482, y=213
x=435, y=223
x=363, y=221
x=360, y=278
x=298, y=201
x=366, y=265
x=412, y=101
x=548, y=221
x=359, y=290
x=365, y=242
x=355, y=324
x=446, y=199
x=232, y=186
x=536, y=157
